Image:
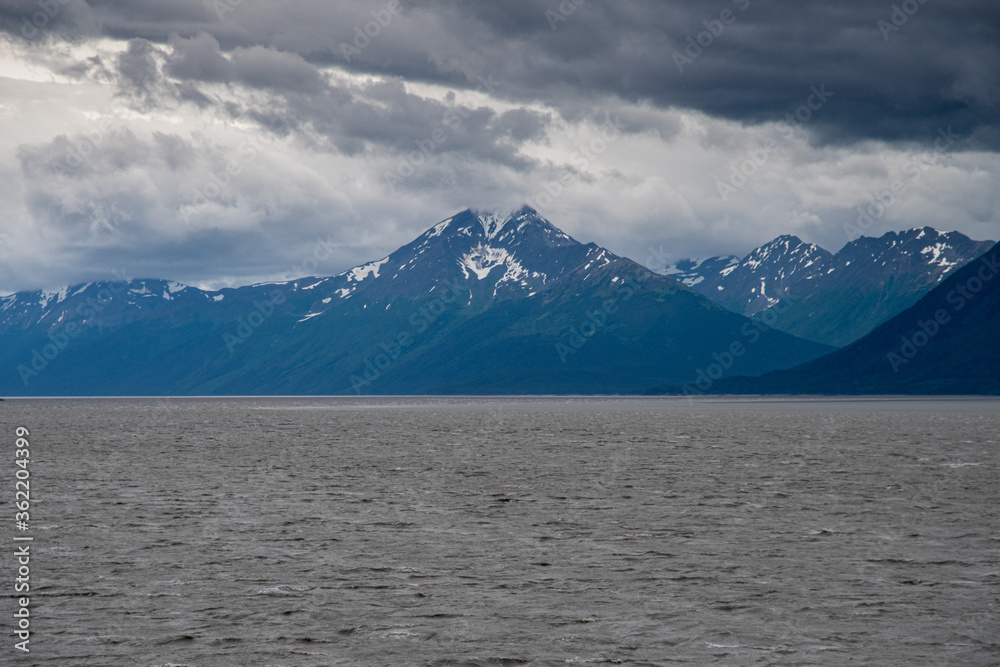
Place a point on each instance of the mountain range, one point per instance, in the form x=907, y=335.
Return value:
x=946, y=343
x=506, y=303
x=480, y=303
x=831, y=298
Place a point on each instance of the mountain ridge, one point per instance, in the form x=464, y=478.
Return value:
x=943, y=344
x=475, y=304
x=841, y=296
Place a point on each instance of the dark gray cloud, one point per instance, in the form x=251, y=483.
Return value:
x=244, y=129
x=36, y=22
x=293, y=95
x=261, y=67
x=139, y=73
x=897, y=75
x=198, y=58
x=901, y=85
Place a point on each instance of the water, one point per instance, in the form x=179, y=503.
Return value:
x=301, y=532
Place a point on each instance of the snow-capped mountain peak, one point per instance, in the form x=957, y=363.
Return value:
x=495, y=254
x=692, y=272
x=493, y=222
x=758, y=280
x=894, y=269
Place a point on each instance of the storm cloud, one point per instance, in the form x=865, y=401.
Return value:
x=372, y=119
x=900, y=69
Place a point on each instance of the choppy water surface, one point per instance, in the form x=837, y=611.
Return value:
x=303, y=532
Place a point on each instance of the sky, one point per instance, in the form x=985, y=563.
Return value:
x=222, y=142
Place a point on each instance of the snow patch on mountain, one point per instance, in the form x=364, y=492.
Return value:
x=493, y=221
x=693, y=272
x=938, y=258
x=359, y=273
x=54, y=296
x=171, y=288
x=439, y=228
x=483, y=258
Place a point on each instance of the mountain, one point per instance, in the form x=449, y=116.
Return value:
x=944, y=344
x=756, y=282
x=482, y=302
x=832, y=298
x=692, y=272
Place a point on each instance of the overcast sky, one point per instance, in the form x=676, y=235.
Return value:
x=216, y=142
